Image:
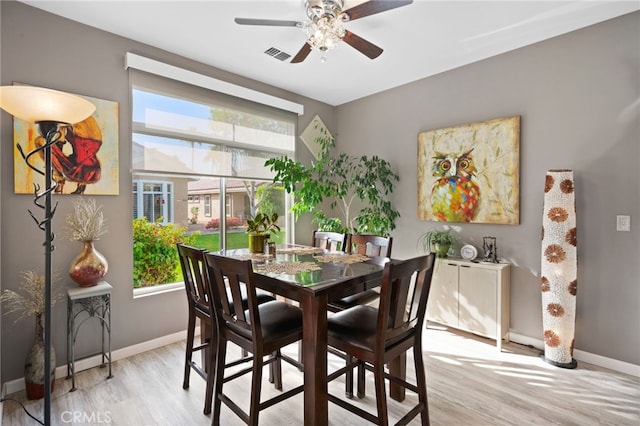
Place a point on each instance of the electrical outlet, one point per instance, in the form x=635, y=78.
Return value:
x=623, y=223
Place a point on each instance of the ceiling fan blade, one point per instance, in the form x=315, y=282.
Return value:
x=267, y=22
x=363, y=46
x=302, y=54
x=374, y=6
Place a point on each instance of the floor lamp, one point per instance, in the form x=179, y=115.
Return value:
x=51, y=111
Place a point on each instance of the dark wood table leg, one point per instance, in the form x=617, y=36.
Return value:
x=398, y=368
x=316, y=403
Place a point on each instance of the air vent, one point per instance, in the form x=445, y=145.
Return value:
x=277, y=53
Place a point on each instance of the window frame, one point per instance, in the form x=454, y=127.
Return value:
x=256, y=149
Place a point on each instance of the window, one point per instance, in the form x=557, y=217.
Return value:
x=191, y=147
x=153, y=200
x=207, y=205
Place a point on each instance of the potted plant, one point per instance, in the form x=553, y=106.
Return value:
x=29, y=302
x=259, y=229
x=347, y=182
x=437, y=241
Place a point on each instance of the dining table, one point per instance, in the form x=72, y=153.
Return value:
x=314, y=277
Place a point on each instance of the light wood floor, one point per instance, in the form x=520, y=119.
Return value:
x=470, y=383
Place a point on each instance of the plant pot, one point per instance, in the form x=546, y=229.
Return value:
x=89, y=267
x=441, y=250
x=256, y=242
x=34, y=364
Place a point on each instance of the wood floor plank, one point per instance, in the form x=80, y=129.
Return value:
x=469, y=383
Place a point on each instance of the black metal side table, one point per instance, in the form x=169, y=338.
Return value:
x=96, y=303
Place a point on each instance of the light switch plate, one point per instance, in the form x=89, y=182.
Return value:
x=623, y=223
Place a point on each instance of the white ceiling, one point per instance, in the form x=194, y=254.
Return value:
x=419, y=40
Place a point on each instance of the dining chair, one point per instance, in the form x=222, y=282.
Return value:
x=191, y=263
x=368, y=245
x=332, y=241
x=375, y=336
x=261, y=329
x=196, y=284
x=371, y=245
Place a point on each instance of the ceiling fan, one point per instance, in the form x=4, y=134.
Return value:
x=324, y=25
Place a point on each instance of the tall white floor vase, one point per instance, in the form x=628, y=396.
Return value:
x=559, y=280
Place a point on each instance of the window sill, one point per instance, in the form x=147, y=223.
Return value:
x=158, y=289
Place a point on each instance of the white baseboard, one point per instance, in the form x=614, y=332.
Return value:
x=17, y=385
x=94, y=361
x=601, y=361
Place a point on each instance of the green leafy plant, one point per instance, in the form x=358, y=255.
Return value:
x=437, y=241
x=154, y=252
x=262, y=224
x=342, y=179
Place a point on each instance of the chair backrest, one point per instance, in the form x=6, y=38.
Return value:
x=229, y=279
x=371, y=245
x=403, y=298
x=194, y=274
x=332, y=241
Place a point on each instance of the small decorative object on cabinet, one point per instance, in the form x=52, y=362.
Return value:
x=87, y=225
x=558, y=273
x=490, y=248
x=468, y=252
x=473, y=297
x=437, y=241
x=30, y=302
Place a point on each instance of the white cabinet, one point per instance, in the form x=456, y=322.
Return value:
x=471, y=296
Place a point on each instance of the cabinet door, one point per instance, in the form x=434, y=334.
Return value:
x=477, y=304
x=442, y=306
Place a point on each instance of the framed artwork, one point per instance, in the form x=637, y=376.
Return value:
x=315, y=129
x=85, y=160
x=471, y=173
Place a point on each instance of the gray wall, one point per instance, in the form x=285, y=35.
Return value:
x=572, y=93
x=42, y=49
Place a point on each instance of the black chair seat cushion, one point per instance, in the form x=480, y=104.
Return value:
x=356, y=327
x=262, y=296
x=362, y=298
x=277, y=320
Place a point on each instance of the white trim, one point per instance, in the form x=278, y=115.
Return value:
x=601, y=361
x=180, y=74
x=17, y=385
x=157, y=289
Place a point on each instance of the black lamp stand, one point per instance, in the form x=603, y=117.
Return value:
x=51, y=131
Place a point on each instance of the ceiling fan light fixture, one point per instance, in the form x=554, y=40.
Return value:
x=324, y=34
x=324, y=25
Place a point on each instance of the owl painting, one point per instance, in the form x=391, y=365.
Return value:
x=455, y=195
x=470, y=173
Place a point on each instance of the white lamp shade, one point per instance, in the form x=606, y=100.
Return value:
x=36, y=104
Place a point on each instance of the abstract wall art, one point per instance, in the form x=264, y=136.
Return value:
x=470, y=173
x=84, y=160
